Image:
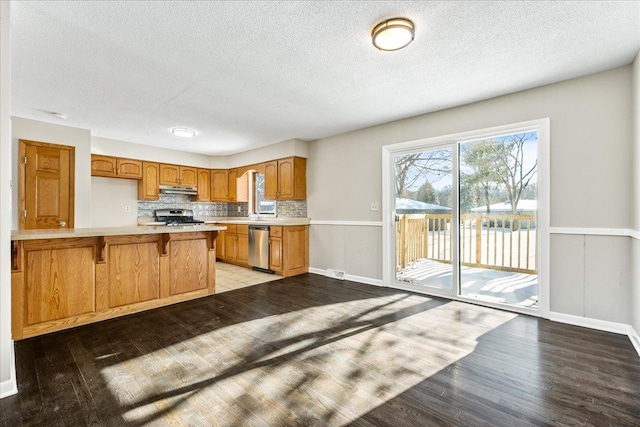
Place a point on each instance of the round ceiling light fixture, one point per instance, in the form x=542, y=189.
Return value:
x=393, y=34
x=183, y=132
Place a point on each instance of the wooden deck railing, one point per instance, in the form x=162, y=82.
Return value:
x=501, y=242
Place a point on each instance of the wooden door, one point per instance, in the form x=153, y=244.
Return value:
x=204, y=185
x=189, y=264
x=148, y=187
x=169, y=174
x=271, y=180
x=46, y=185
x=295, y=244
x=220, y=244
x=219, y=185
x=231, y=247
x=188, y=176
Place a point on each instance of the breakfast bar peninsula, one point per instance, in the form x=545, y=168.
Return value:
x=70, y=277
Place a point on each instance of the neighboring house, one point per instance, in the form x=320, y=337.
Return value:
x=525, y=207
x=409, y=206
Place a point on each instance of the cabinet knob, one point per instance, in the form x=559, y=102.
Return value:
x=62, y=224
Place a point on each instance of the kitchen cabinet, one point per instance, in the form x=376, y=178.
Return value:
x=67, y=281
x=275, y=249
x=148, y=186
x=204, y=185
x=220, y=244
x=232, y=177
x=286, y=179
x=219, y=185
x=178, y=175
x=115, y=167
x=236, y=244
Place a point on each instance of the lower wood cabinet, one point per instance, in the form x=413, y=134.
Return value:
x=288, y=247
x=61, y=283
x=236, y=244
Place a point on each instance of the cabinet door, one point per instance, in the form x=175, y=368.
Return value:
x=103, y=166
x=148, y=187
x=275, y=253
x=292, y=178
x=295, y=246
x=204, y=185
x=233, y=176
x=243, y=249
x=169, y=174
x=127, y=168
x=188, y=176
x=219, y=185
x=230, y=247
x=220, y=244
x=271, y=180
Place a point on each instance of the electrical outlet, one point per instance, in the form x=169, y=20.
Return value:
x=127, y=208
x=375, y=206
x=239, y=209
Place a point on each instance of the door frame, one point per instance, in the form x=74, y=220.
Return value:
x=22, y=176
x=542, y=127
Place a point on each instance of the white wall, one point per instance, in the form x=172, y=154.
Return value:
x=7, y=370
x=109, y=199
x=591, y=184
x=112, y=147
x=635, y=297
x=34, y=130
x=290, y=147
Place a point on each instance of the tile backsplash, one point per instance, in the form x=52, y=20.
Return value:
x=291, y=209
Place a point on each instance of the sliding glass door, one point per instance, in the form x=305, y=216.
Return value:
x=463, y=219
x=423, y=207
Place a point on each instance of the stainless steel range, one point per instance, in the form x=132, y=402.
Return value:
x=175, y=217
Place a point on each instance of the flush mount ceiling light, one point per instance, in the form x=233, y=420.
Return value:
x=183, y=132
x=393, y=34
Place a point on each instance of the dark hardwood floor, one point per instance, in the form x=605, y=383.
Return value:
x=313, y=351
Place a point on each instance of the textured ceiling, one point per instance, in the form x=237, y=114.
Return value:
x=248, y=74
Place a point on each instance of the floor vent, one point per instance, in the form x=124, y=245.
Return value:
x=336, y=274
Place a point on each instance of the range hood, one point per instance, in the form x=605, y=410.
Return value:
x=174, y=189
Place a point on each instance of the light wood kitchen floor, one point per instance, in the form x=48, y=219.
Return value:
x=230, y=277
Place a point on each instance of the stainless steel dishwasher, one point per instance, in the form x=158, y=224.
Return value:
x=259, y=247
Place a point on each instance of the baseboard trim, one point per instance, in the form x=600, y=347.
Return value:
x=350, y=277
x=635, y=234
x=587, y=322
x=635, y=339
x=601, y=325
x=10, y=386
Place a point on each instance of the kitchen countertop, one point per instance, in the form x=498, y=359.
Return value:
x=66, y=233
x=284, y=221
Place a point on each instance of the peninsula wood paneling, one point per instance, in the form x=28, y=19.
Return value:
x=134, y=272
x=59, y=283
x=189, y=264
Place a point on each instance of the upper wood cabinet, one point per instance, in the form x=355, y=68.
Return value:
x=148, y=186
x=232, y=177
x=219, y=185
x=286, y=179
x=115, y=167
x=178, y=175
x=204, y=185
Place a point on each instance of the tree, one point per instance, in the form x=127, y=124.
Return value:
x=499, y=164
x=514, y=174
x=411, y=168
x=481, y=158
x=426, y=193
